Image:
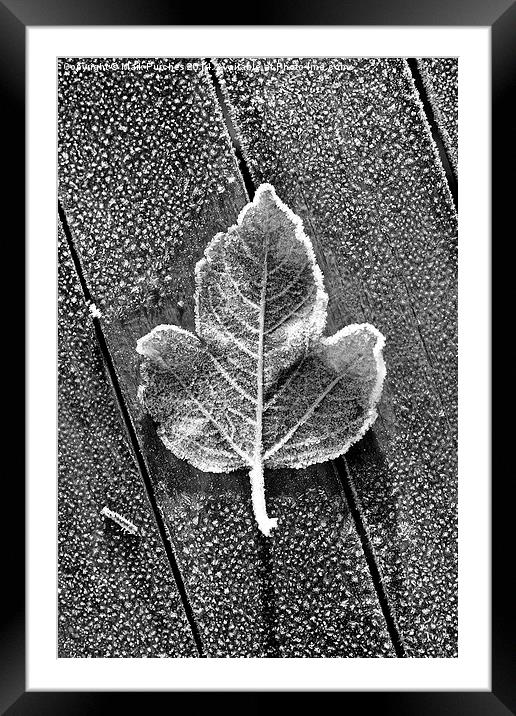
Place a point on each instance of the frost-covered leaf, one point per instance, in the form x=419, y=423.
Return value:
x=259, y=386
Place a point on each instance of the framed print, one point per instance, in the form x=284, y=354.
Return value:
x=258, y=436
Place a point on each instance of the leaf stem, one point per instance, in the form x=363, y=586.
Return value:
x=265, y=523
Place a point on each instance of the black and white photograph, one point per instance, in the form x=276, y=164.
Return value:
x=260, y=308
x=257, y=357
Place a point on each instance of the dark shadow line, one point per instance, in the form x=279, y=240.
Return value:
x=342, y=473
x=235, y=141
x=268, y=597
x=436, y=134
x=146, y=479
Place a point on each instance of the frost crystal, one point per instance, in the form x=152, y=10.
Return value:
x=94, y=311
x=259, y=386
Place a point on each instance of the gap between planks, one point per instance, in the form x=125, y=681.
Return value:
x=343, y=475
x=339, y=466
x=133, y=440
x=434, y=129
x=233, y=135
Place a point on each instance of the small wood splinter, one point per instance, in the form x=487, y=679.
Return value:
x=125, y=524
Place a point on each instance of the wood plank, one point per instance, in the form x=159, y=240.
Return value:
x=347, y=146
x=147, y=177
x=117, y=595
x=440, y=78
x=324, y=602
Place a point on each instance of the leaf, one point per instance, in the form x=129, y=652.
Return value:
x=259, y=386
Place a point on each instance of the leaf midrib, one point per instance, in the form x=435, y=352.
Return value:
x=258, y=447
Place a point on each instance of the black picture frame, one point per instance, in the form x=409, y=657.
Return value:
x=500, y=16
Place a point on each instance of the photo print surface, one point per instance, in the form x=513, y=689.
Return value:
x=257, y=357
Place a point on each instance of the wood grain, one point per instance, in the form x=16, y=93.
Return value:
x=147, y=177
x=347, y=146
x=117, y=596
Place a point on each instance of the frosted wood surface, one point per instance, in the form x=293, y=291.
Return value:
x=147, y=178
x=348, y=148
x=117, y=595
x=440, y=78
x=325, y=605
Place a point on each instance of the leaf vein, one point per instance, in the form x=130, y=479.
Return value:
x=232, y=381
x=227, y=333
x=274, y=449
x=235, y=285
x=291, y=284
x=213, y=420
x=291, y=313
